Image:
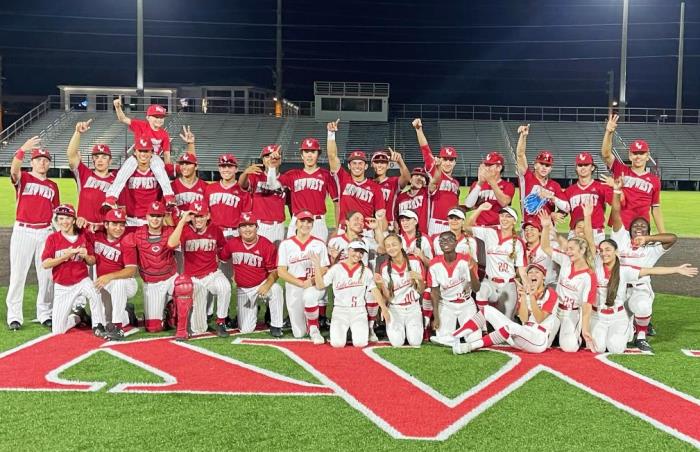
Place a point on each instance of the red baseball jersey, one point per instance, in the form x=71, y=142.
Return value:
x=364, y=197
x=309, y=190
x=200, y=250
x=91, y=192
x=490, y=217
x=419, y=202
x=226, y=204
x=597, y=194
x=251, y=263
x=186, y=195
x=532, y=184
x=155, y=258
x=159, y=138
x=112, y=256
x=74, y=269
x=268, y=204
x=446, y=194
x=36, y=199
x=641, y=191
x=142, y=191
x=390, y=188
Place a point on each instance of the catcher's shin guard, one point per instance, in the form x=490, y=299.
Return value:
x=182, y=296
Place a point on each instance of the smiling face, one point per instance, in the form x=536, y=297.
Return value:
x=40, y=165
x=574, y=250
x=115, y=229
x=448, y=165
x=447, y=242
x=408, y=225
x=356, y=223
x=304, y=226
x=227, y=172
x=639, y=161
x=639, y=227
x=187, y=169
x=392, y=245
x=143, y=157
x=380, y=167
x=200, y=222
x=536, y=277
x=155, y=122
x=417, y=181
x=455, y=224
x=154, y=221
x=101, y=162
x=584, y=171
x=506, y=221
x=310, y=157
x=608, y=252
x=65, y=222
x=542, y=170
x=249, y=232
x=532, y=235
x=355, y=256
x=357, y=168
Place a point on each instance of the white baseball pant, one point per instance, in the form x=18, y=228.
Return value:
x=454, y=315
x=353, y=319
x=610, y=331
x=119, y=291
x=436, y=226
x=272, y=231
x=530, y=337
x=248, y=307
x=155, y=296
x=569, y=329
x=503, y=294
x=27, y=244
x=217, y=284
x=640, y=298
x=127, y=170
x=406, y=323
x=297, y=298
x=318, y=230
x=65, y=300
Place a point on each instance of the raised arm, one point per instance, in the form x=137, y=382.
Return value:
x=332, y=147
x=255, y=168
x=174, y=239
x=471, y=221
x=73, y=151
x=124, y=119
x=685, y=270
x=16, y=165
x=188, y=137
x=492, y=177
x=666, y=240
x=616, y=206
x=546, y=222
x=523, y=132
x=428, y=159
x=404, y=173
x=587, y=208
x=606, y=148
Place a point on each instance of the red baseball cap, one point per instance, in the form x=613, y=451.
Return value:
x=199, y=208
x=65, y=209
x=545, y=157
x=228, y=159
x=380, y=156
x=304, y=215
x=188, y=157
x=101, y=149
x=247, y=218
x=269, y=149
x=156, y=208
x=310, y=144
x=448, y=152
x=40, y=152
x=357, y=155
x=156, y=110
x=584, y=158
x=534, y=222
x=419, y=171
x=143, y=144
x=538, y=267
x=494, y=158
x=116, y=216
x=639, y=147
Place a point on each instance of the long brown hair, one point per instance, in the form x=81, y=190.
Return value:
x=390, y=262
x=614, y=280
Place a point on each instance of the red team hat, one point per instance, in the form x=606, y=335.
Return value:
x=545, y=158
x=639, y=147
x=40, y=152
x=420, y=171
x=228, y=160
x=304, y=215
x=534, y=222
x=584, y=158
x=269, y=149
x=538, y=267
x=199, y=208
x=494, y=158
x=65, y=209
x=116, y=216
x=187, y=158
x=448, y=152
x=357, y=155
x=247, y=218
x=310, y=144
x=156, y=110
x=101, y=149
x=156, y=208
x=380, y=156
x=143, y=144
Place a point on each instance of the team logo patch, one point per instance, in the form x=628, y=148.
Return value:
x=155, y=248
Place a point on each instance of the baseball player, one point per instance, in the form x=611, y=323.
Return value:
x=188, y=187
x=412, y=240
x=416, y=198
x=353, y=289
x=390, y=186
x=537, y=190
x=532, y=231
x=537, y=327
x=201, y=243
x=489, y=187
x=444, y=189
x=576, y=287
x=254, y=261
x=226, y=199
x=268, y=195
x=588, y=190
x=68, y=253
x=295, y=268
x=641, y=189
x=115, y=263
x=155, y=137
x=36, y=197
x=401, y=280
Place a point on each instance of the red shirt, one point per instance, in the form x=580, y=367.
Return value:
x=91, y=192
x=74, y=269
x=309, y=190
x=226, y=204
x=159, y=138
x=251, y=263
x=112, y=256
x=155, y=258
x=595, y=192
x=200, y=250
x=641, y=191
x=490, y=217
x=390, y=188
x=534, y=184
x=364, y=197
x=418, y=202
x=446, y=194
x=36, y=199
x=268, y=205
x=142, y=191
x=184, y=195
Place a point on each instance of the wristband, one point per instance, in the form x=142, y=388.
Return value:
x=331, y=135
x=19, y=154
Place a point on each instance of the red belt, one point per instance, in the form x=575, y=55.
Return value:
x=566, y=308
x=440, y=221
x=538, y=326
x=608, y=310
x=459, y=300
x=34, y=225
x=501, y=280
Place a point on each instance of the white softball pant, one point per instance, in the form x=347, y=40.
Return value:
x=318, y=230
x=127, y=169
x=27, y=244
x=610, y=331
x=218, y=285
x=640, y=298
x=248, y=307
x=118, y=291
x=298, y=298
x=65, y=298
x=454, y=315
x=155, y=296
x=353, y=319
x=406, y=323
x=272, y=231
x=504, y=295
x=530, y=337
x=569, y=329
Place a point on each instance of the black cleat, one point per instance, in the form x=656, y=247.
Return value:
x=651, y=331
x=85, y=319
x=221, y=330
x=113, y=333
x=131, y=311
x=643, y=345
x=100, y=331
x=47, y=323
x=14, y=326
x=276, y=331
x=231, y=323
x=324, y=323
x=287, y=324
x=267, y=316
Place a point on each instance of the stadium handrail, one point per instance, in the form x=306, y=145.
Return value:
x=24, y=120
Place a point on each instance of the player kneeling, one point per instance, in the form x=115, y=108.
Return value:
x=353, y=289
x=401, y=280
x=68, y=253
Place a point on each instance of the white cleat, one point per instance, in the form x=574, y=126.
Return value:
x=445, y=341
x=459, y=348
x=373, y=336
x=316, y=337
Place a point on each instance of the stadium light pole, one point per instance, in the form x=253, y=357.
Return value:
x=623, y=60
x=278, y=63
x=139, y=47
x=679, y=81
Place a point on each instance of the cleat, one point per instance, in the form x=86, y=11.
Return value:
x=48, y=323
x=276, y=331
x=373, y=336
x=113, y=333
x=445, y=341
x=181, y=339
x=14, y=326
x=221, y=330
x=316, y=337
x=643, y=345
x=323, y=323
x=231, y=323
x=100, y=331
x=459, y=348
x=131, y=312
x=170, y=315
x=287, y=324
x=651, y=331
x=85, y=319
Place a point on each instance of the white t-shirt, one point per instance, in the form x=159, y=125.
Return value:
x=628, y=274
x=410, y=245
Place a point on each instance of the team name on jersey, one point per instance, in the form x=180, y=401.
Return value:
x=411, y=204
x=309, y=183
x=142, y=182
x=108, y=252
x=487, y=195
x=32, y=189
x=453, y=282
x=188, y=197
x=450, y=186
x=250, y=259
x=639, y=184
x=349, y=284
x=633, y=253
x=226, y=199
x=386, y=193
x=200, y=245
x=97, y=184
x=577, y=200
x=358, y=192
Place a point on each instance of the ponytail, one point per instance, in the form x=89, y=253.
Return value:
x=614, y=280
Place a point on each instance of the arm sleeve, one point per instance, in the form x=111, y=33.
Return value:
x=333, y=190
x=481, y=232
x=48, y=249
x=617, y=168
x=558, y=257
x=271, y=257
x=432, y=279
x=428, y=158
x=136, y=126
x=473, y=195
x=225, y=252
x=590, y=292
x=656, y=194
x=282, y=259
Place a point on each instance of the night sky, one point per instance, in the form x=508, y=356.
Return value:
x=471, y=52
